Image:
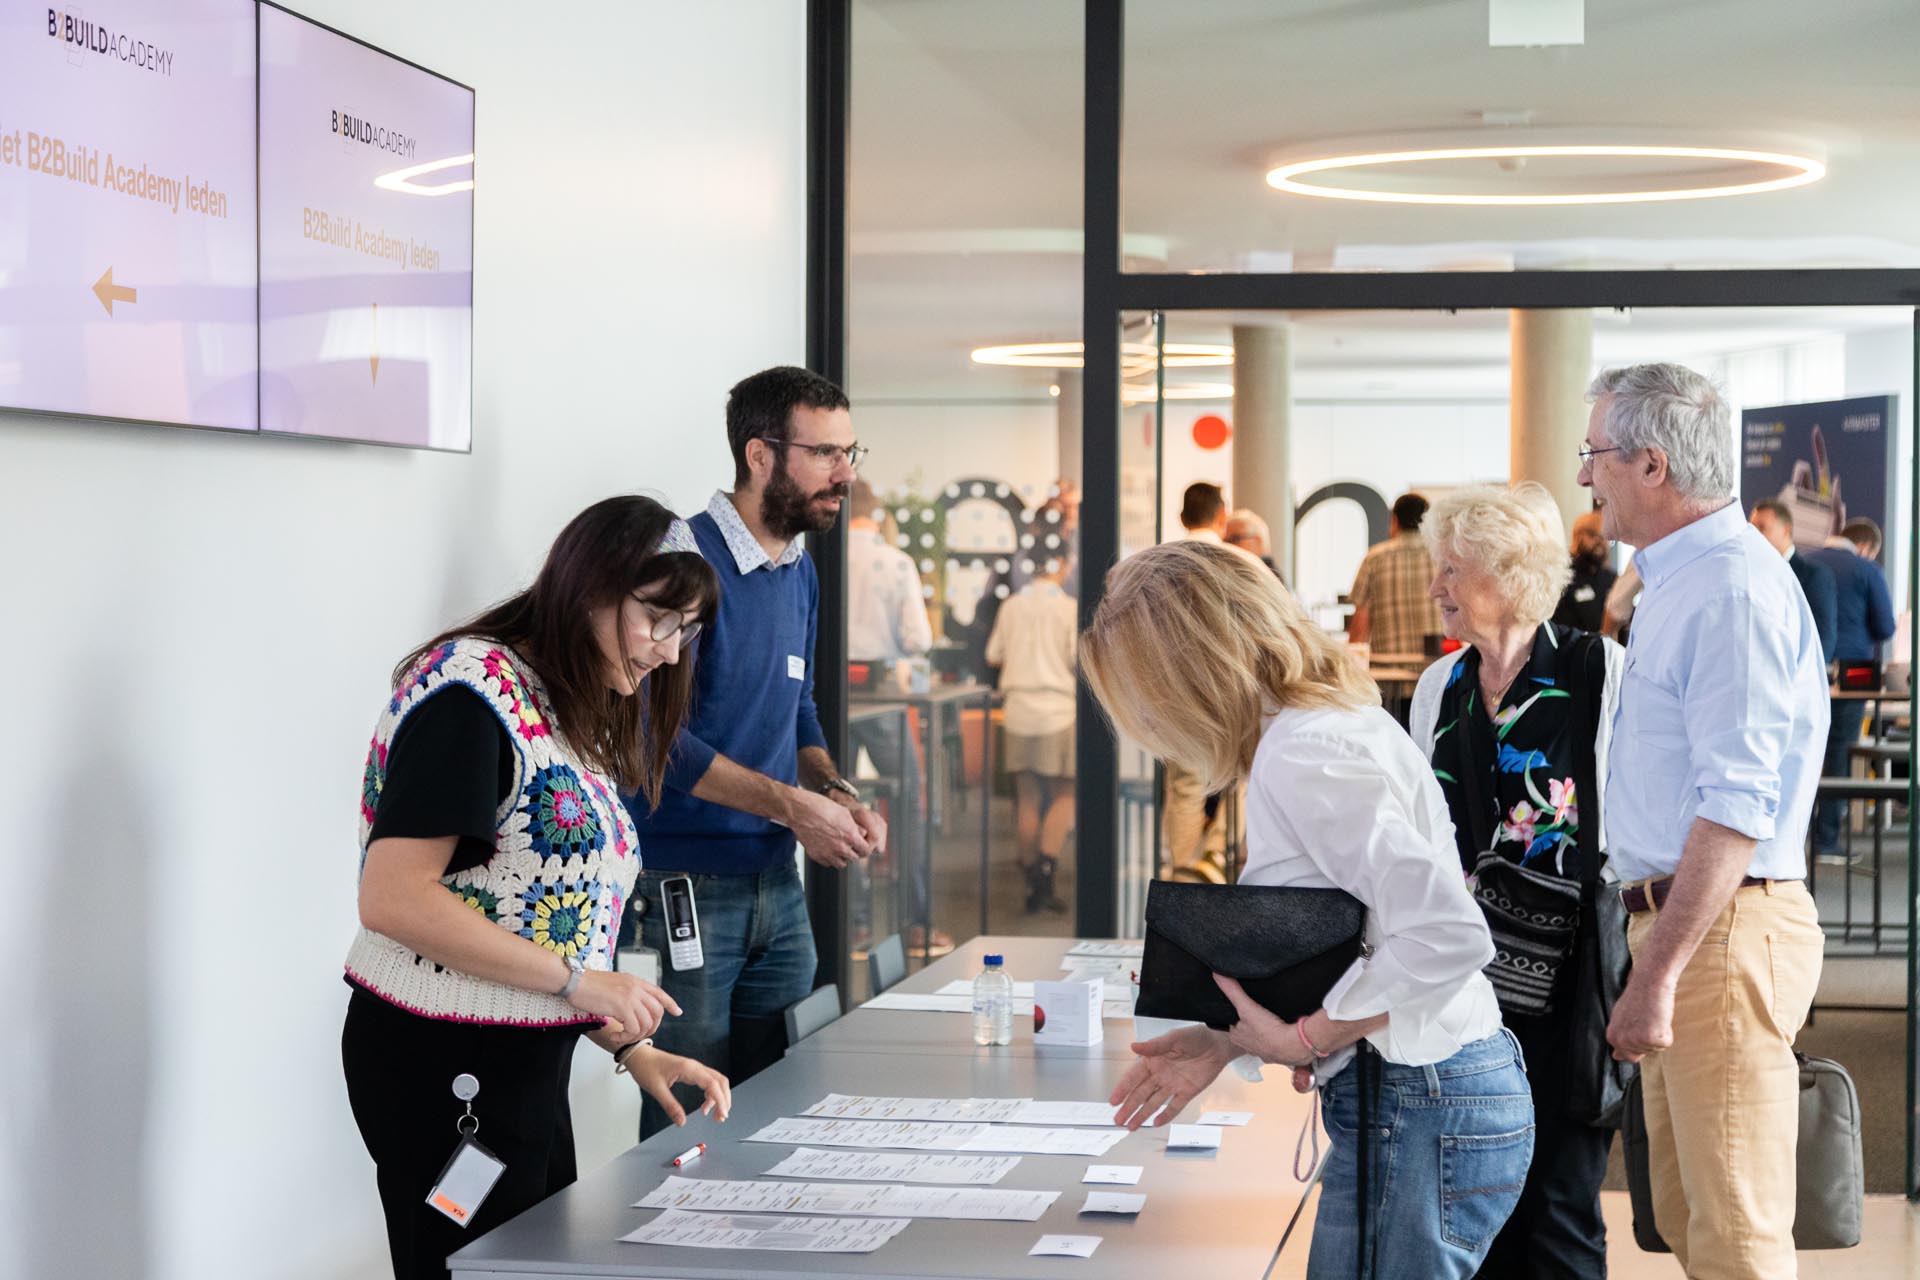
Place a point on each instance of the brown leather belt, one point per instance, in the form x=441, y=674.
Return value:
x=1636, y=897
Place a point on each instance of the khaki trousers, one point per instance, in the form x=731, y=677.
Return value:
x=1723, y=1102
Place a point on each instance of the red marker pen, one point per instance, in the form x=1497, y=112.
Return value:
x=696, y=1150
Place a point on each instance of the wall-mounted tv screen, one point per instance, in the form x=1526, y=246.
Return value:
x=366, y=242
x=127, y=221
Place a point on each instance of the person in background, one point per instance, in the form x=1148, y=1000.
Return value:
x=1337, y=797
x=1714, y=761
x=750, y=772
x=1247, y=531
x=1032, y=644
x=1622, y=599
x=495, y=860
x=1499, y=719
x=1190, y=820
x=1391, y=610
x=1203, y=512
x=886, y=626
x=1583, y=606
x=1863, y=621
x=1774, y=520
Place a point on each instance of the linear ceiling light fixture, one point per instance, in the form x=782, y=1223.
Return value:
x=403, y=179
x=1072, y=355
x=1800, y=170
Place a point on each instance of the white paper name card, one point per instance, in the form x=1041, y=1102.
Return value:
x=1066, y=1013
x=1192, y=1137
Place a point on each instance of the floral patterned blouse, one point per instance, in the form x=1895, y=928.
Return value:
x=1524, y=785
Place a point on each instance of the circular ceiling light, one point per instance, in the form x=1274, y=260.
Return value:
x=1797, y=171
x=1143, y=392
x=1072, y=355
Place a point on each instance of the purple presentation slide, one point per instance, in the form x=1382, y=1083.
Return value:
x=127, y=230
x=366, y=242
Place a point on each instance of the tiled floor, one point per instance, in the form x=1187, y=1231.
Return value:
x=1889, y=1249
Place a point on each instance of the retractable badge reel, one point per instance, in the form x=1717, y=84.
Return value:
x=471, y=1171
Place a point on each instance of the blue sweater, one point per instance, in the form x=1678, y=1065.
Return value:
x=748, y=705
x=1863, y=608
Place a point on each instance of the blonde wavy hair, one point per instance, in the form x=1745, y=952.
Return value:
x=1515, y=536
x=1194, y=643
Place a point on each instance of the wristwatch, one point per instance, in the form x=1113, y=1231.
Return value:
x=576, y=968
x=842, y=785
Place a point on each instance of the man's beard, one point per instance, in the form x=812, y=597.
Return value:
x=788, y=511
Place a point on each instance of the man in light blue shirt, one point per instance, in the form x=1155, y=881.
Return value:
x=1716, y=752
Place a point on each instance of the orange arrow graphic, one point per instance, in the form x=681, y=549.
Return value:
x=109, y=293
x=374, y=360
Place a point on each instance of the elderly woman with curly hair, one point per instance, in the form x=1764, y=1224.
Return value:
x=1516, y=725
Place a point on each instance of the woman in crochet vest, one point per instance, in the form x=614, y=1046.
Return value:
x=496, y=858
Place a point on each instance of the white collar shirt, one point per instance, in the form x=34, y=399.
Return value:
x=1723, y=704
x=1032, y=643
x=1343, y=799
x=886, y=606
x=748, y=554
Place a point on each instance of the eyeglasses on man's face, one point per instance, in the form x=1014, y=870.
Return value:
x=665, y=624
x=1588, y=453
x=827, y=455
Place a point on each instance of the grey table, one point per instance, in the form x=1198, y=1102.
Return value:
x=1221, y=1214
x=898, y=1031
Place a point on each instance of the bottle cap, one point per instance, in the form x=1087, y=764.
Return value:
x=994, y=962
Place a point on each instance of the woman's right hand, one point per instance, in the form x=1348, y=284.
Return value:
x=1168, y=1073
x=637, y=1005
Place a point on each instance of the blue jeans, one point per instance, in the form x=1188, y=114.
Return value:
x=1449, y=1153
x=1830, y=816
x=758, y=946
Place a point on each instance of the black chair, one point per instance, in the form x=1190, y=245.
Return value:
x=886, y=963
x=809, y=1015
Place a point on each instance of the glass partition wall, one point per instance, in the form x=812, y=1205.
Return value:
x=1004, y=191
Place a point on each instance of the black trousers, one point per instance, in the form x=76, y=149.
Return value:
x=400, y=1069
x=1556, y=1231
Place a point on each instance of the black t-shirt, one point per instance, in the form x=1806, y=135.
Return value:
x=448, y=770
x=1584, y=604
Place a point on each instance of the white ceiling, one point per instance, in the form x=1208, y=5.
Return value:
x=965, y=188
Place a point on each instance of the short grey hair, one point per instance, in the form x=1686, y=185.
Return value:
x=1515, y=536
x=1671, y=408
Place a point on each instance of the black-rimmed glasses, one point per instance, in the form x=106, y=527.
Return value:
x=1588, y=453
x=827, y=455
x=667, y=623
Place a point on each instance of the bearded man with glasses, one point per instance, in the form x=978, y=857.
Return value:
x=750, y=772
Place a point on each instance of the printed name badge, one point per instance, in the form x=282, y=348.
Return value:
x=466, y=1181
x=796, y=667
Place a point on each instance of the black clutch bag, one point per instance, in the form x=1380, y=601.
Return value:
x=1287, y=946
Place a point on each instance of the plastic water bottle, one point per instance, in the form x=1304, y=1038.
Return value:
x=993, y=1004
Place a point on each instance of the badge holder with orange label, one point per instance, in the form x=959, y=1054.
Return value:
x=472, y=1170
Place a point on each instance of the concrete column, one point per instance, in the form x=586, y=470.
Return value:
x=1552, y=361
x=1068, y=408
x=1262, y=432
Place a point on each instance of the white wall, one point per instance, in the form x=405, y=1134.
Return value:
x=921, y=447
x=199, y=629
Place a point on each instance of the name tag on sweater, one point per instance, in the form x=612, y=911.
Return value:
x=796, y=668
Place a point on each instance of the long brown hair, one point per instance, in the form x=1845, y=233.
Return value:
x=1194, y=643
x=605, y=553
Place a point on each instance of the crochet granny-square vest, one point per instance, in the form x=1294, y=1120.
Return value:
x=565, y=854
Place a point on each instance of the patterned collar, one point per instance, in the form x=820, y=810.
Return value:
x=748, y=554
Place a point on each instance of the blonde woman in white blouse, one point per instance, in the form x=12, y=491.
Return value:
x=1200, y=655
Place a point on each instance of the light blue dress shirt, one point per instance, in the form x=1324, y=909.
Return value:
x=1723, y=705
